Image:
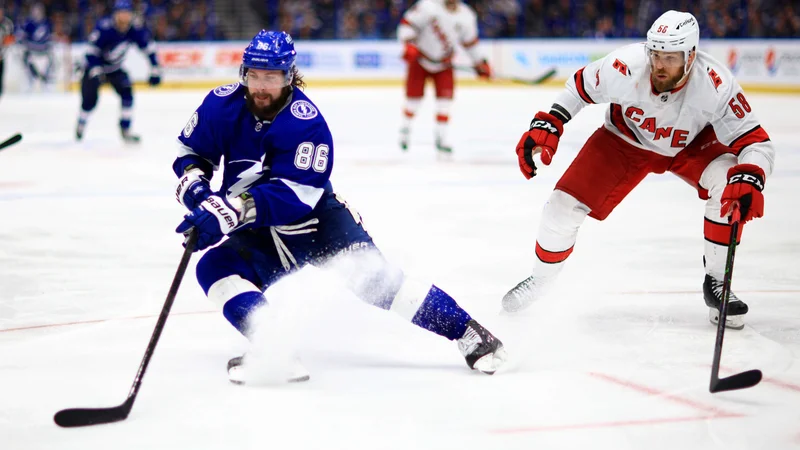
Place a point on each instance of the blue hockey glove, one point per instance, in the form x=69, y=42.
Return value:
x=213, y=219
x=155, y=76
x=192, y=189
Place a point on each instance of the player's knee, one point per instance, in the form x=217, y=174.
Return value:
x=715, y=175
x=563, y=212
x=409, y=298
x=126, y=95
x=219, y=264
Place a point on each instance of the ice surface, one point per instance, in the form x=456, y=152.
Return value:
x=617, y=357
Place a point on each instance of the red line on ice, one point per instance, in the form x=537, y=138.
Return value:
x=621, y=423
x=666, y=396
x=84, y=322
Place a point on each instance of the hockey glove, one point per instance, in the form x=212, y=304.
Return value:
x=96, y=75
x=745, y=183
x=483, y=70
x=155, y=76
x=213, y=219
x=411, y=52
x=542, y=138
x=192, y=189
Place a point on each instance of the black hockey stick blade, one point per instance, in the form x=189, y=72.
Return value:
x=530, y=81
x=81, y=417
x=11, y=141
x=538, y=80
x=742, y=380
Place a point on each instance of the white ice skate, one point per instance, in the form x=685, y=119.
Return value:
x=238, y=372
x=523, y=294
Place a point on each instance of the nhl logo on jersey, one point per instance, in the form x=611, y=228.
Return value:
x=664, y=97
x=224, y=91
x=303, y=110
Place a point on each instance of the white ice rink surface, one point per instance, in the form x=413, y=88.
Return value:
x=618, y=357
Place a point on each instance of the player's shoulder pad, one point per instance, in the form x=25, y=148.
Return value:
x=468, y=12
x=715, y=75
x=628, y=61
x=137, y=23
x=222, y=101
x=105, y=24
x=301, y=115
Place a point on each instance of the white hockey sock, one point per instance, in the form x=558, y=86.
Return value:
x=410, y=109
x=562, y=216
x=442, y=118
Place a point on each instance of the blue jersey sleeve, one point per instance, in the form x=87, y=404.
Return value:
x=144, y=41
x=94, y=50
x=197, y=143
x=300, y=173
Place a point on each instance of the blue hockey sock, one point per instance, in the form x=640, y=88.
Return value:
x=237, y=309
x=441, y=314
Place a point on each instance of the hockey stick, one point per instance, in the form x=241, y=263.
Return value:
x=79, y=417
x=11, y=141
x=532, y=81
x=740, y=380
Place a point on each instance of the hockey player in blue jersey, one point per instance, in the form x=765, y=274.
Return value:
x=279, y=211
x=35, y=36
x=108, y=44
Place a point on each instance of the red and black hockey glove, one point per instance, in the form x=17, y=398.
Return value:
x=483, y=70
x=745, y=183
x=542, y=138
x=411, y=52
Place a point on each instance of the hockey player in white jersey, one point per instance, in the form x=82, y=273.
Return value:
x=430, y=30
x=671, y=108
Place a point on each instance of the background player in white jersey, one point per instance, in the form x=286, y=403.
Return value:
x=430, y=30
x=672, y=108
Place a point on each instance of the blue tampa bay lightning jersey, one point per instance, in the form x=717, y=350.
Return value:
x=107, y=45
x=35, y=36
x=285, y=164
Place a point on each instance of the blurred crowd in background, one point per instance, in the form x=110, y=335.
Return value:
x=192, y=20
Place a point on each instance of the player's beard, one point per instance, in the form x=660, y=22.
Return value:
x=271, y=110
x=667, y=84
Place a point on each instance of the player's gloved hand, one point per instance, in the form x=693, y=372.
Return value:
x=483, y=70
x=192, y=189
x=411, y=52
x=97, y=75
x=155, y=76
x=542, y=138
x=745, y=183
x=213, y=219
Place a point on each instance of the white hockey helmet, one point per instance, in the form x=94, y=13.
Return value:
x=675, y=31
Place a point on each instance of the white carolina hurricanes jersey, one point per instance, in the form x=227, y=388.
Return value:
x=665, y=123
x=436, y=31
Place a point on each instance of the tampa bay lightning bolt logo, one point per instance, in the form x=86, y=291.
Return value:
x=224, y=91
x=304, y=110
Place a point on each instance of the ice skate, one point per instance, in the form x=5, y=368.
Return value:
x=523, y=294
x=79, y=131
x=130, y=138
x=404, y=133
x=481, y=349
x=444, y=151
x=237, y=371
x=712, y=293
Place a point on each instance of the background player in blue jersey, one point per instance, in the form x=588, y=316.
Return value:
x=35, y=36
x=279, y=210
x=108, y=44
